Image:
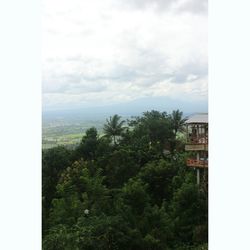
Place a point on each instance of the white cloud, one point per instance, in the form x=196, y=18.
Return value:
x=113, y=51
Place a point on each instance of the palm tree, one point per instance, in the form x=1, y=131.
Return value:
x=177, y=120
x=113, y=127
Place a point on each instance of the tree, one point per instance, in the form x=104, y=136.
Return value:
x=54, y=161
x=114, y=127
x=120, y=167
x=135, y=195
x=188, y=211
x=78, y=190
x=178, y=125
x=88, y=146
x=156, y=126
x=158, y=175
x=177, y=121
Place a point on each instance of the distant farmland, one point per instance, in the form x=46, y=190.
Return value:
x=68, y=133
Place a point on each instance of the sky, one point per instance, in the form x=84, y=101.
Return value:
x=108, y=52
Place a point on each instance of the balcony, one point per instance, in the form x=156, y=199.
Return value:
x=197, y=163
x=198, y=139
x=196, y=147
x=197, y=143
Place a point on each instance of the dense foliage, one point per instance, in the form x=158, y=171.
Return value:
x=127, y=190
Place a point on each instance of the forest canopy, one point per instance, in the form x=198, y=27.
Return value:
x=129, y=189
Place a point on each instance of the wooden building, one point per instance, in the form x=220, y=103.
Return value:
x=197, y=142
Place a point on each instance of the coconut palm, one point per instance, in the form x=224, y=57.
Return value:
x=177, y=120
x=113, y=127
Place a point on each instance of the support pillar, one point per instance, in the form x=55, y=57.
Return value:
x=198, y=176
x=198, y=170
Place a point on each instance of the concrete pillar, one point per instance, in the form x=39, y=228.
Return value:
x=198, y=170
x=198, y=176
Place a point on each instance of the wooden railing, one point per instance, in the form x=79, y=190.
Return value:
x=197, y=140
x=196, y=147
x=197, y=163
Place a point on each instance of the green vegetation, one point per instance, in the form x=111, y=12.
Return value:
x=114, y=127
x=67, y=133
x=126, y=190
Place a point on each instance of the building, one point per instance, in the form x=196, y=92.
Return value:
x=197, y=143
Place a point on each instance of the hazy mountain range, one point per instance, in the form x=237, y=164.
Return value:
x=127, y=109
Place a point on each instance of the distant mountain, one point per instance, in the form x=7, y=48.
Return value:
x=127, y=109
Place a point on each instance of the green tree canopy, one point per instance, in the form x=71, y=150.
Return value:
x=130, y=195
x=114, y=127
x=177, y=121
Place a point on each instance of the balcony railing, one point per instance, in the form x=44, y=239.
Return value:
x=201, y=139
x=197, y=163
x=196, y=147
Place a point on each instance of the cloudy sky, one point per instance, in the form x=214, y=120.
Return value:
x=102, y=52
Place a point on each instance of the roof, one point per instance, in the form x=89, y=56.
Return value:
x=198, y=118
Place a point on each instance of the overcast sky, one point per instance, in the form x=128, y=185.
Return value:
x=100, y=52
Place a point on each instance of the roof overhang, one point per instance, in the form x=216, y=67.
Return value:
x=201, y=118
